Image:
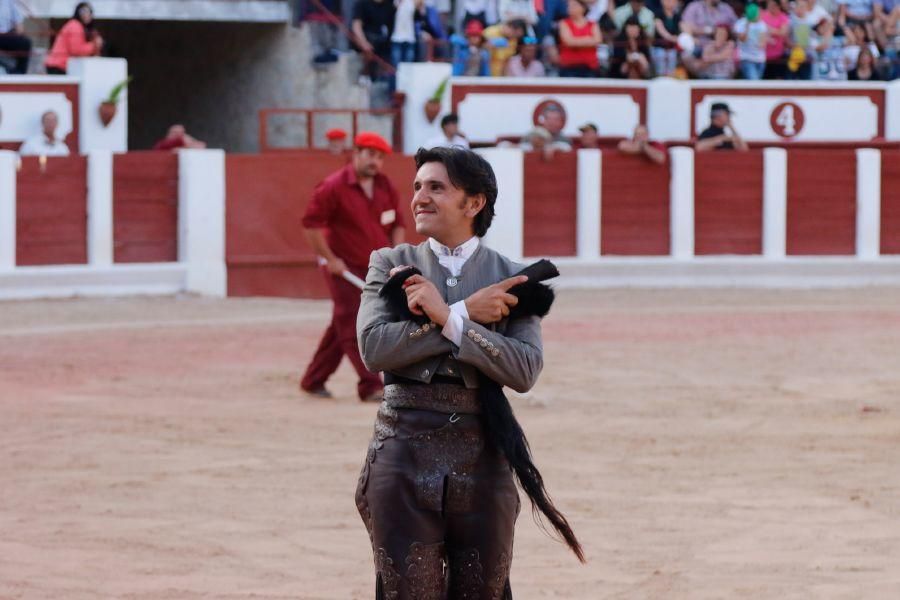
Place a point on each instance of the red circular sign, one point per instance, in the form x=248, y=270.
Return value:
x=538, y=116
x=787, y=119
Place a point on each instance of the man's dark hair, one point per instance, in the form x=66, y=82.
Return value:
x=450, y=118
x=470, y=173
x=520, y=25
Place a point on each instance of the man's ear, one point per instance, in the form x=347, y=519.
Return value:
x=475, y=204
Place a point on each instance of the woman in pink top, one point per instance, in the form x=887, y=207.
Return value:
x=779, y=25
x=76, y=38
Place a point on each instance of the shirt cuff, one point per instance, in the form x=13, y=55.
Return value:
x=453, y=328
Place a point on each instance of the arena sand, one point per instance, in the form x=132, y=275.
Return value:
x=705, y=444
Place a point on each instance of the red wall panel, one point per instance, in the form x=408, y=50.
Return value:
x=145, y=207
x=728, y=202
x=634, y=218
x=266, y=196
x=550, y=190
x=890, y=202
x=821, y=202
x=51, y=211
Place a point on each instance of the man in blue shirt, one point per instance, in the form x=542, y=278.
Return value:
x=13, y=42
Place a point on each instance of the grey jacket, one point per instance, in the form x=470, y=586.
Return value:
x=508, y=352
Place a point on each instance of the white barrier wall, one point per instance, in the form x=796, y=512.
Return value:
x=201, y=262
x=23, y=99
x=673, y=110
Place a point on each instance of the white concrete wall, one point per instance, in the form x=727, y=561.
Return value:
x=201, y=220
x=97, y=77
x=419, y=82
x=506, y=232
x=8, y=161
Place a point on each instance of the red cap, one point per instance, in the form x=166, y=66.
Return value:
x=336, y=134
x=367, y=139
x=474, y=28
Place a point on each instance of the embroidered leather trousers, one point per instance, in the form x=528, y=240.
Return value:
x=440, y=505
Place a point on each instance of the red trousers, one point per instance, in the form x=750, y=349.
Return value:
x=340, y=339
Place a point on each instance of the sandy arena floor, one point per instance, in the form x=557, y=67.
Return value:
x=727, y=444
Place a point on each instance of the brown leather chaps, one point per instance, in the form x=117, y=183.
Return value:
x=440, y=504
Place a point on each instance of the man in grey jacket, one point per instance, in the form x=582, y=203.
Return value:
x=437, y=496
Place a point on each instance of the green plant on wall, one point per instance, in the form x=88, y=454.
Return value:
x=438, y=94
x=114, y=93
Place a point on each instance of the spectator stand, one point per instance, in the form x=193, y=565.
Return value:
x=290, y=129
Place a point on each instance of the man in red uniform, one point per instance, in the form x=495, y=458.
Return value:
x=354, y=211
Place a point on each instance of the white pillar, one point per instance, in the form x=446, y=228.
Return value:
x=506, y=234
x=590, y=169
x=868, y=203
x=668, y=109
x=681, y=197
x=98, y=76
x=201, y=220
x=100, y=208
x=8, y=162
x=774, y=202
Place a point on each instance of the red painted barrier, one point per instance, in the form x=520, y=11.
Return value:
x=890, y=202
x=266, y=196
x=145, y=207
x=634, y=216
x=821, y=202
x=550, y=204
x=728, y=202
x=51, y=211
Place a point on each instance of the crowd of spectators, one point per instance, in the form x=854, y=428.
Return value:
x=639, y=39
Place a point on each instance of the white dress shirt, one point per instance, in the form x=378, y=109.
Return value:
x=453, y=260
x=39, y=145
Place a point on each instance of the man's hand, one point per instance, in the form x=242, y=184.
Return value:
x=423, y=298
x=336, y=266
x=491, y=304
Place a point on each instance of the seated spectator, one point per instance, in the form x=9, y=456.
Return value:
x=373, y=26
x=699, y=20
x=664, y=50
x=404, y=44
x=45, y=143
x=778, y=28
x=631, y=57
x=177, y=138
x=856, y=11
x=718, y=55
x=525, y=62
x=721, y=134
x=644, y=16
x=799, y=63
x=337, y=141
x=12, y=37
x=553, y=119
x=590, y=137
x=815, y=12
x=865, y=67
x=640, y=145
x=856, y=38
x=751, y=33
x=321, y=19
x=578, y=41
x=829, y=58
x=450, y=134
x=470, y=57
x=503, y=40
x=886, y=14
x=78, y=37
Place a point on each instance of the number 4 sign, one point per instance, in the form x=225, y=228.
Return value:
x=787, y=119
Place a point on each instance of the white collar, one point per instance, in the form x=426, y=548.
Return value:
x=463, y=251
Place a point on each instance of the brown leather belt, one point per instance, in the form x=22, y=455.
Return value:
x=439, y=397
